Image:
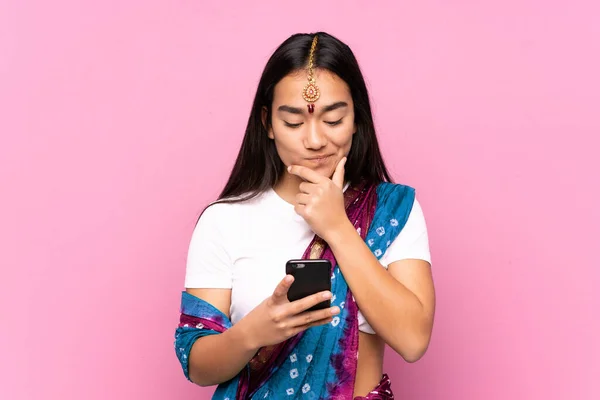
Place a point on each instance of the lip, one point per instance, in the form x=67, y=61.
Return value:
x=319, y=159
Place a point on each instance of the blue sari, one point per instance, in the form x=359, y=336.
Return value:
x=319, y=363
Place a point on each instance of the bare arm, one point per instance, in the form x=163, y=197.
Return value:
x=218, y=358
x=398, y=303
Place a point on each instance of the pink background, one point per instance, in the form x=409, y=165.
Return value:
x=121, y=119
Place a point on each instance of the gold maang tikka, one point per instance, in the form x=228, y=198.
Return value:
x=311, y=92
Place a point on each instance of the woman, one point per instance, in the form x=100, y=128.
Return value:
x=310, y=182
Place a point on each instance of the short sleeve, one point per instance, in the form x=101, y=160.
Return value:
x=209, y=265
x=412, y=242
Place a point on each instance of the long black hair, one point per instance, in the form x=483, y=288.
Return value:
x=258, y=166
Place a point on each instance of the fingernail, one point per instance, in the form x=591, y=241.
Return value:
x=326, y=295
x=335, y=310
x=289, y=168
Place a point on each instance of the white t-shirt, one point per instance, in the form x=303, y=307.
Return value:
x=245, y=246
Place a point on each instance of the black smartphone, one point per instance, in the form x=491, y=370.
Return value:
x=310, y=277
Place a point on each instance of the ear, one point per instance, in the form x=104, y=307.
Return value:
x=266, y=125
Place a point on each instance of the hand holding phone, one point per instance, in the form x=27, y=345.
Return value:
x=277, y=319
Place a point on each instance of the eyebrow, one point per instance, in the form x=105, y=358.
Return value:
x=328, y=108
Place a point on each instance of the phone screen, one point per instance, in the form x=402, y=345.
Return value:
x=310, y=277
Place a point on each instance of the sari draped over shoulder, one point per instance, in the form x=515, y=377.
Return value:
x=319, y=363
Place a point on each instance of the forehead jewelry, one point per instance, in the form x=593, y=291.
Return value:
x=311, y=92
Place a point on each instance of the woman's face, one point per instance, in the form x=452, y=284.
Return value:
x=317, y=140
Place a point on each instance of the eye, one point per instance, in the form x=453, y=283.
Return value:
x=334, y=123
x=292, y=125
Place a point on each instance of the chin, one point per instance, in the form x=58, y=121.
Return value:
x=326, y=172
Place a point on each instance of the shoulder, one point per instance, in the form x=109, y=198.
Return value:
x=388, y=189
x=411, y=240
x=396, y=199
x=401, y=201
x=224, y=212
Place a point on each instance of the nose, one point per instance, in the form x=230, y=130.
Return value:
x=315, y=139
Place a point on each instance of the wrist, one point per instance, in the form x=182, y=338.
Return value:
x=341, y=234
x=240, y=333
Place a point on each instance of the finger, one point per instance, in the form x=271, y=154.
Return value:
x=308, y=318
x=303, y=198
x=280, y=293
x=307, y=187
x=338, y=175
x=302, y=328
x=300, y=209
x=306, y=173
x=320, y=322
x=303, y=304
